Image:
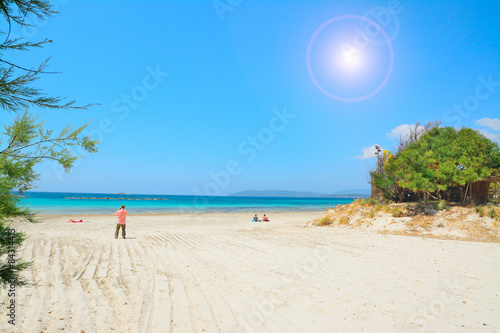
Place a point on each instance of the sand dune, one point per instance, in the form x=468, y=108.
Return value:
x=222, y=273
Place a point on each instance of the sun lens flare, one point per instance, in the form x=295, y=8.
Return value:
x=345, y=63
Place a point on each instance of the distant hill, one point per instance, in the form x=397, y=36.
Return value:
x=282, y=193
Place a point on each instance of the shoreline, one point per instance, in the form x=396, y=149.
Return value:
x=181, y=214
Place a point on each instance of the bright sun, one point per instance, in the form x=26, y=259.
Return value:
x=349, y=58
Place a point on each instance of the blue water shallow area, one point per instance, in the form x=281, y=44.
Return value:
x=57, y=203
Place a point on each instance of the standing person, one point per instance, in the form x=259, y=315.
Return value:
x=122, y=216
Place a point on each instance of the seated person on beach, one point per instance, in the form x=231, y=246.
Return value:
x=255, y=218
x=73, y=221
x=265, y=218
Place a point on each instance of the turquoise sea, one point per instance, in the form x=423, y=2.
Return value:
x=54, y=203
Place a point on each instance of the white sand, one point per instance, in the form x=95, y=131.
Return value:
x=222, y=273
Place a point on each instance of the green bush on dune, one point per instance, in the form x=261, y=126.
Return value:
x=396, y=212
x=431, y=160
x=479, y=210
x=441, y=205
x=327, y=220
x=492, y=212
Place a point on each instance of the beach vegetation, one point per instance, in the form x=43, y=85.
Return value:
x=344, y=220
x=441, y=205
x=492, y=212
x=368, y=202
x=445, y=157
x=479, y=210
x=433, y=159
x=396, y=212
x=27, y=141
x=385, y=182
x=10, y=266
x=327, y=220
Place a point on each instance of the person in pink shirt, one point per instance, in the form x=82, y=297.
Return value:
x=122, y=216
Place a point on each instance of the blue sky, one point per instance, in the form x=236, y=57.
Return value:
x=215, y=97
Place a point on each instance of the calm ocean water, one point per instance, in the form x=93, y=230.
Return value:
x=60, y=203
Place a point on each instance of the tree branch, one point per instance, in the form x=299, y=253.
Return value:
x=28, y=70
x=55, y=140
x=65, y=106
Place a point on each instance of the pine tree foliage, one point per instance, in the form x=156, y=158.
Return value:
x=27, y=141
x=440, y=158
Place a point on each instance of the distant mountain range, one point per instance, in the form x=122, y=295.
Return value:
x=280, y=193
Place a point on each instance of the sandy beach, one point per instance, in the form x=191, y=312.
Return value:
x=222, y=273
